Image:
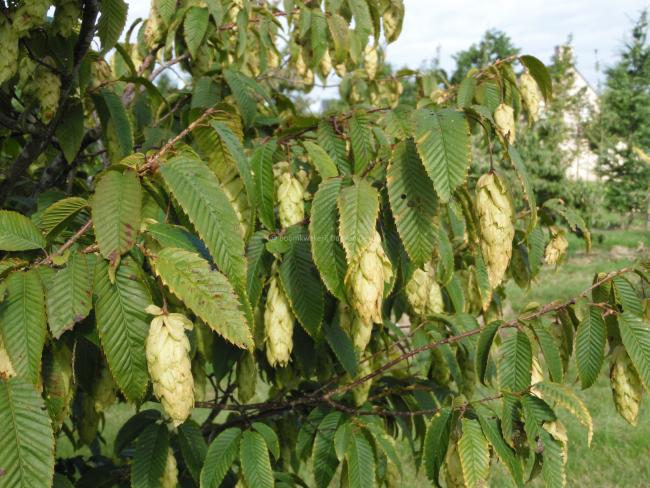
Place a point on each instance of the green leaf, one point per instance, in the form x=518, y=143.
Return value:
x=358, y=207
x=117, y=121
x=332, y=142
x=150, y=457
x=270, y=437
x=536, y=412
x=551, y=352
x=383, y=441
x=122, y=325
x=362, y=19
x=445, y=267
x=18, y=233
x=516, y=362
x=436, y=443
x=193, y=447
x=540, y=74
x=255, y=462
x=132, y=428
x=361, y=461
x=412, y=201
x=342, y=346
x=60, y=213
x=205, y=291
x=22, y=323
x=635, y=333
x=483, y=347
x=301, y=282
x=262, y=165
x=221, y=454
x=168, y=235
x=474, y=454
x=319, y=39
x=626, y=295
x=70, y=134
x=259, y=266
x=340, y=32
x=111, y=23
x=323, y=456
x=69, y=295
x=492, y=430
x=323, y=163
x=529, y=194
x=166, y=9
x=361, y=140
x=567, y=399
x=442, y=139
x=246, y=93
x=328, y=254
x=553, y=464
x=116, y=209
x=590, y=346
x=26, y=437
x=198, y=192
x=194, y=27
x=466, y=91
x=234, y=148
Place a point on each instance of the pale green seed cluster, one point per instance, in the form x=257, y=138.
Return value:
x=278, y=325
x=496, y=217
x=168, y=359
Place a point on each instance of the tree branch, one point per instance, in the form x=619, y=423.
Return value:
x=37, y=145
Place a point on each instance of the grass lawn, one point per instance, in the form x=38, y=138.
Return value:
x=617, y=450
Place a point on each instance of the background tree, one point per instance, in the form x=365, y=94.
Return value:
x=231, y=269
x=494, y=45
x=622, y=134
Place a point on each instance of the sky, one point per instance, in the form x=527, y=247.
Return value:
x=598, y=27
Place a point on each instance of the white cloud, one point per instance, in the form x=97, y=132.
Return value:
x=534, y=25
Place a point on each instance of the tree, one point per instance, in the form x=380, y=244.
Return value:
x=550, y=145
x=233, y=269
x=494, y=45
x=622, y=134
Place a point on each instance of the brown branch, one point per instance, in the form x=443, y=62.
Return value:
x=152, y=162
x=65, y=246
x=38, y=144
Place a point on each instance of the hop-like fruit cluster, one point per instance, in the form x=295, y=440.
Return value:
x=45, y=87
x=6, y=367
x=626, y=385
x=104, y=390
x=371, y=61
x=423, y=292
x=169, y=478
x=154, y=31
x=454, y=468
x=30, y=14
x=504, y=117
x=169, y=363
x=9, y=42
x=278, y=325
x=246, y=377
x=86, y=418
x=365, y=281
x=290, y=195
x=556, y=248
x=530, y=93
x=496, y=215
x=359, y=330
x=360, y=393
x=58, y=383
x=66, y=17
x=325, y=65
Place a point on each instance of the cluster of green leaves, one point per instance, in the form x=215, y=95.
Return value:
x=168, y=198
